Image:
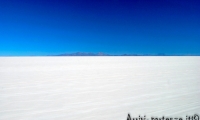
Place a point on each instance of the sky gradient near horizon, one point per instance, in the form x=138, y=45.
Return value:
x=49, y=27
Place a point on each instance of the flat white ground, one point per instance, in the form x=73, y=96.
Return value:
x=98, y=88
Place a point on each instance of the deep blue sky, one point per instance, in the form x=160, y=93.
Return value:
x=43, y=27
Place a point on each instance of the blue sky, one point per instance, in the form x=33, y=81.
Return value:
x=46, y=27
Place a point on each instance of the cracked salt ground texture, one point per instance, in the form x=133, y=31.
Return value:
x=100, y=88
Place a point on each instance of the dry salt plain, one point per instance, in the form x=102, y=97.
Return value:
x=98, y=88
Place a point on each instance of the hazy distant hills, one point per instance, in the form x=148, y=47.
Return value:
x=104, y=54
x=93, y=54
x=84, y=54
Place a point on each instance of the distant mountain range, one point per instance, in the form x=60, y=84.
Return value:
x=104, y=54
x=83, y=54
